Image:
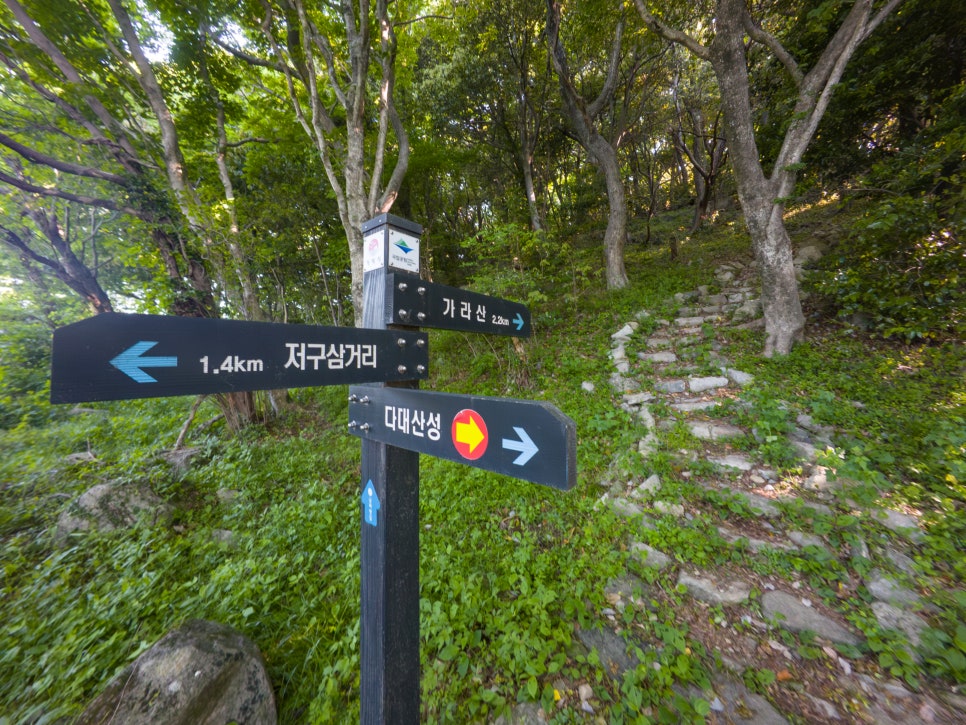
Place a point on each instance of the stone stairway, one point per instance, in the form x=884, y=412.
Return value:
x=667, y=384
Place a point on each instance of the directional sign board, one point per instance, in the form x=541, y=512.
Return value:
x=525, y=439
x=120, y=357
x=412, y=301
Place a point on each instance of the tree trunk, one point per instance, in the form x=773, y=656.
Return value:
x=581, y=116
x=615, y=236
x=784, y=320
x=536, y=224
x=759, y=196
x=762, y=198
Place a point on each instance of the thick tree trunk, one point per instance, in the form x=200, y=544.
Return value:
x=759, y=196
x=784, y=320
x=354, y=238
x=702, y=195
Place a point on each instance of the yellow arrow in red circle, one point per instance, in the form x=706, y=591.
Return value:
x=469, y=434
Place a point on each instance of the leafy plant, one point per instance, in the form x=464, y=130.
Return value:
x=770, y=421
x=905, y=261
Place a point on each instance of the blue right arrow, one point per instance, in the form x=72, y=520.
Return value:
x=131, y=361
x=518, y=321
x=370, y=500
x=525, y=447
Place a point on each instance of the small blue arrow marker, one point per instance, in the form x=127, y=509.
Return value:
x=131, y=361
x=404, y=247
x=518, y=321
x=371, y=502
x=525, y=447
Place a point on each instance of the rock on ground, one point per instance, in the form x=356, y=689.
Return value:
x=736, y=704
x=791, y=613
x=204, y=673
x=612, y=650
x=649, y=556
x=109, y=506
x=526, y=713
x=891, y=617
x=707, y=590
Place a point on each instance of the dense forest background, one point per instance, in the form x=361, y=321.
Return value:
x=208, y=159
x=217, y=159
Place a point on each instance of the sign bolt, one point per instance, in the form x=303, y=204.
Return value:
x=421, y=316
x=401, y=369
x=421, y=290
x=401, y=341
x=420, y=343
x=420, y=369
x=365, y=426
x=403, y=315
x=353, y=424
x=403, y=286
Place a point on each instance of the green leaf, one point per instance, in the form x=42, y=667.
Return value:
x=532, y=687
x=448, y=652
x=702, y=707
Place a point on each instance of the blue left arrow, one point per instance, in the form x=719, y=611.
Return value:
x=370, y=500
x=131, y=361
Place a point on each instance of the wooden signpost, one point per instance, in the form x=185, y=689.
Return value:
x=119, y=357
x=525, y=439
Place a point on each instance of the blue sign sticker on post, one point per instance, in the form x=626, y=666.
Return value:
x=370, y=502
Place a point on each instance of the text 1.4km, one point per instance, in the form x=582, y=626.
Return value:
x=232, y=364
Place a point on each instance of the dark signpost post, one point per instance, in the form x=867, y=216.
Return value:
x=119, y=357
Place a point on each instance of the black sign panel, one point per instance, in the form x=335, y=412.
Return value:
x=120, y=357
x=525, y=439
x=412, y=301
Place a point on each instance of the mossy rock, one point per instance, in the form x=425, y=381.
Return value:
x=110, y=506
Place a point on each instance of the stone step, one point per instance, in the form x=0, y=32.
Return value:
x=692, y=406
x=714, y=431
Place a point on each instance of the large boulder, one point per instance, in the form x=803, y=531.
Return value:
x=202, y=673
x=113, y=505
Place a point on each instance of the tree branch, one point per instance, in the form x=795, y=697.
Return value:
x=79, y=198
x=774, y=45
x=15, y=241
x=404, y=23
x=69, y=168
x=879, y=17
x=250, y=59
x=610, y=83
x=669, y=33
